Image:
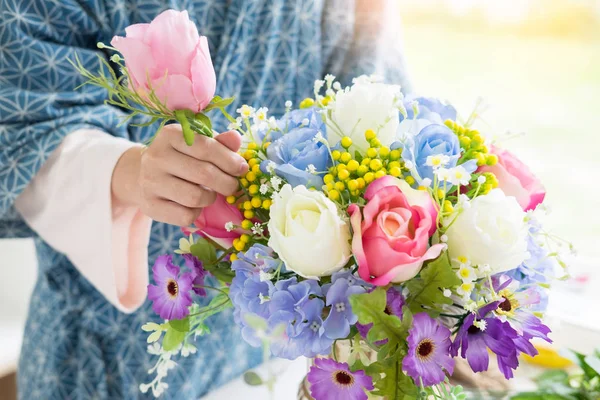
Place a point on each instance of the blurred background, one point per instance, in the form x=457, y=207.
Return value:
x=537, y=64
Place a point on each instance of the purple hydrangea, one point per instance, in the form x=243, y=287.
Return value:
x=331, y=380
x=170, y=295
x=428, y=351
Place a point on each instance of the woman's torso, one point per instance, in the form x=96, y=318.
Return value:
x=78, y=346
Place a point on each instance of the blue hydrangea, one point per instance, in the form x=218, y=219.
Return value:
x=340, y=318
x=250, y=290
x=430, y=108
x=296, y=153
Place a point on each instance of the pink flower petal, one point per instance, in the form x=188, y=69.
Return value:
x=176, y=92
x=204, y=81
x=138, y=59
x=136, y=31
x=172, y=38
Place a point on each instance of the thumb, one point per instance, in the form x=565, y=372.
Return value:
x=230, y=139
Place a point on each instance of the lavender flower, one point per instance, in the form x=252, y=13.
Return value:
x=330, y=380
x=171, y=295
x=198, y=273
x=481, y=331
x=428, y=351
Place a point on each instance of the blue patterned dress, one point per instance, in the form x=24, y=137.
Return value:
x=77, y=345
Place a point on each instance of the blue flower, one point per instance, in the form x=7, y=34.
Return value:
x=431, y=109
x=337, y=324
x=432, y=140
x=297, y=306
x=249, y=290
x=295, y=153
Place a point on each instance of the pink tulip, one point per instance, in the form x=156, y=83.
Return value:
x=391, y=235
x=211, y=222
x=516, y=180
x=170, y=57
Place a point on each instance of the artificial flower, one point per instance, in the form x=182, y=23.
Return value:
x=340, y=318
x=301, y=219
x=215, y=222
x=331, y=380
x=491, y=231
x=294, y=153
x=366, y=105
x=482, y=330
x=429, y=108
x=181, y=76
x=392, y=232
x=432, y=140
x=394, y=304
x=198, y=273
x=170, y=295
x=428, y=351
x=516, y=179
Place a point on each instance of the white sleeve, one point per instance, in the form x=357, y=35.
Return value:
x=69, y=204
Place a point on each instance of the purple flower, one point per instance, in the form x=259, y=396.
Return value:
x=330, y=380
x=171, y=295
x=198, y=273
x=337, y=324
x=428, y=351
x=475, y=336
x=292, y=304
x=394, y=304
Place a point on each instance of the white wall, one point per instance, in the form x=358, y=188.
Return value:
x=18, y=265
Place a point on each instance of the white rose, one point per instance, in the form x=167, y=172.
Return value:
x=308, y=233
x=367, y=105
x=492, y=231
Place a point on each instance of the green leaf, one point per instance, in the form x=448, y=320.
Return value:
x=204, y=120
x=154, y=336
x=390, y=381
x=593, y=362
x=173, y=338
x=427, y=289
x=204, y=251
x=252, y=378
x=181, y=325
x=188, y=133
x=219, y=102
x=550, y=378
x=222, y=271
x=217, y=304
x=150, y=327
x=370, y=308
x=579, y=359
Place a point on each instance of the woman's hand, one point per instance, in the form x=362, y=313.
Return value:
x=171, y=182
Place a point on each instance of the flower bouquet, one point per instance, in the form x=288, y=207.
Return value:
x=365, y=217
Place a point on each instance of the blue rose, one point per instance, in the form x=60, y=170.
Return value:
x=431, y=109
x=298, y=151
x=433, y=140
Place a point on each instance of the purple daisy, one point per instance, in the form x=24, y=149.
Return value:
x=394, y=304
x=428, y=351
x=198, y=273
x=171, y=295
x=331, y=380
x=480, y=332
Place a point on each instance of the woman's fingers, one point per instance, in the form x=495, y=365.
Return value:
x=214, y=152
x=200, y=173
x=181, y=192
x=169, y=212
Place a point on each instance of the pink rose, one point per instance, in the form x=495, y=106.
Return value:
x=212, y=220
x=170, y=57
x=516, y=180
x=391, y=235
